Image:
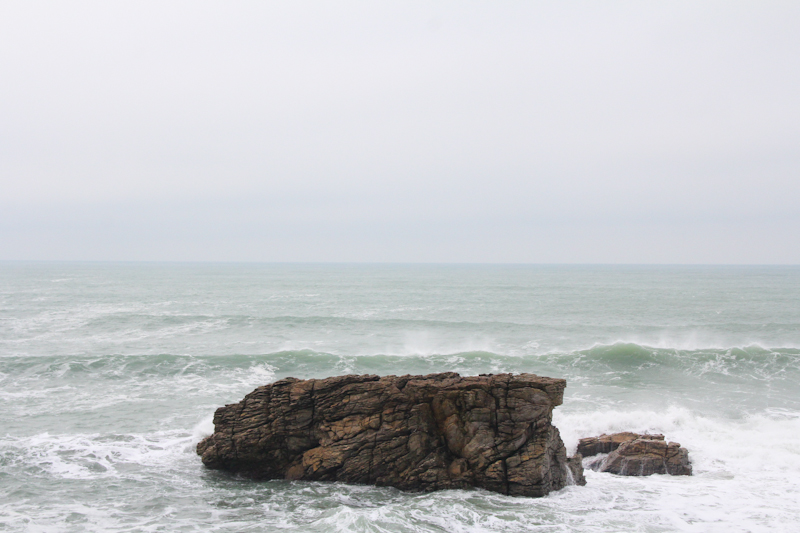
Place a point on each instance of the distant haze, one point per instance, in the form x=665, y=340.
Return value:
x=574, y=132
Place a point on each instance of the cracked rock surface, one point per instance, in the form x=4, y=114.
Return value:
x=634, y=454
x=432, y=432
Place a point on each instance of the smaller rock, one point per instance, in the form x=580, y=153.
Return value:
x=643, y=457
x=608, y=443
x=632, y=454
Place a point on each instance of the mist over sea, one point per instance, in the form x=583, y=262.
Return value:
x=110, y=374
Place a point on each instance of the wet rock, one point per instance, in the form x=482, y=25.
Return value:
x=633, y=454
x=575, y=465
x=439, y=431
x=608, y=443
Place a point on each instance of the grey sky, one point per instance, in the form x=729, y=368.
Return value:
x=633, y=132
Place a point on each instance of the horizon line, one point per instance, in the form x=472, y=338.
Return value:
x=384, y=263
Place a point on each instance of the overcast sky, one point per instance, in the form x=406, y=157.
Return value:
x=542, y=132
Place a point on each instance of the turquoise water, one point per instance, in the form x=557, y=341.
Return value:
x=109, y=374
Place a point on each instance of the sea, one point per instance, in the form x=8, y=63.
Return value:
x=110, y=374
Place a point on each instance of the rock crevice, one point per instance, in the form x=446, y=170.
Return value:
x=432, y=432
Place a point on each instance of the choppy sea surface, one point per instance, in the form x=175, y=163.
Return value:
x=110, y=374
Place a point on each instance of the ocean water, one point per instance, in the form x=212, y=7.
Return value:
x=110, y=374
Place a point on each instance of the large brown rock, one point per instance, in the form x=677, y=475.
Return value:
x=632, y=454
x=440, y=431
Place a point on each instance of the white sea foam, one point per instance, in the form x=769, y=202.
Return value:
x=89, y=456
x=695, y=339
x=255, y=375
x=427, y=343
x=746, y=472
x=203, y=429
x=414, y=343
